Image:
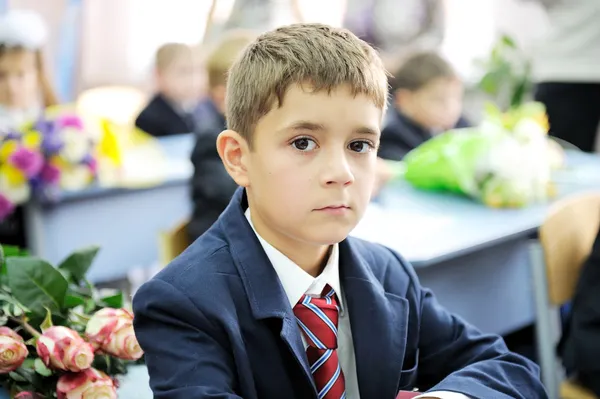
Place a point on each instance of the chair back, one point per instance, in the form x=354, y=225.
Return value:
x=567, y=236
x=173, y=242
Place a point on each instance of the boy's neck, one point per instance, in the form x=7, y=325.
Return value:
x=310, y=258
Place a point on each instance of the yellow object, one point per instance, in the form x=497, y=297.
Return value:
x=173, y=242
x=13, y=175
x=570, y=390
x=7, y=149
x=109, y=146
x=32, y=139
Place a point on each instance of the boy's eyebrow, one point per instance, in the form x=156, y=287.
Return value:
x=305, y=125
x=312, y=126
x=367, y=130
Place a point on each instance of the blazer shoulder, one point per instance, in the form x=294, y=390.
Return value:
x=204, y=268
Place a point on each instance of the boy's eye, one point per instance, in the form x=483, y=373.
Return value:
x=304, y=144
x=360, y=146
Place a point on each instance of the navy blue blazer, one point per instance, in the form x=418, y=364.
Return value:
x=160, y=119
x=216, y=323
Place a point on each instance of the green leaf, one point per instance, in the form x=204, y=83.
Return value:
x=508, y=41
x=16, y=376
x=78, y=263
x=2, y=260
x=36, y=284
x=72, y=301
x=47, y=323
x=41, y=368
x=113, y=301
x=29, y=363
x=90, y=305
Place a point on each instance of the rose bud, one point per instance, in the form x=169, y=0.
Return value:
x=87, y=384
x=12, y=350
x=111, y=330
x=64, y=349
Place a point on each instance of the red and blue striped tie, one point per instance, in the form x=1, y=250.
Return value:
x=318, y=320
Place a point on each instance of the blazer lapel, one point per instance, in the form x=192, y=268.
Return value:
x=379, y=323
x=265, y=294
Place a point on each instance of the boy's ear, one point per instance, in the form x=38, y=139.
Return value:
x=233, y=150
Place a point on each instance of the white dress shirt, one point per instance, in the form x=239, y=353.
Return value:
x=296, y=282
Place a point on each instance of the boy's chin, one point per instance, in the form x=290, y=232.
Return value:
x=330, y=237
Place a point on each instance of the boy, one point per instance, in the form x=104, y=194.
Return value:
x=179, y=82
x=427, y=98
x=274, y=301
x=212, y=187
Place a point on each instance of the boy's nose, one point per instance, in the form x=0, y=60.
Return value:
x=337, y=171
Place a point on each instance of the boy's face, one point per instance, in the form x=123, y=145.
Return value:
x=19, y=81
x=435, y=106
x=182, y=80
x=311, y=171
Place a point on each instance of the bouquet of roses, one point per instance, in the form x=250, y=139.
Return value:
x=60, y=337
x=56, y=152
x=506, y=161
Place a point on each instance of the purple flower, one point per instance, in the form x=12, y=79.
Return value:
x=6, y=207
x=70, y=121
x=52, y=143
x=50, y=174
x=28, y=161
x=45, y=127
x=12, y=135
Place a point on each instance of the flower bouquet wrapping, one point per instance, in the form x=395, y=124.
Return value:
x=59, y=336
x=56, y=152
x=506, y=161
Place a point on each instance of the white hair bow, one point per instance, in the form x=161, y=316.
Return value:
x=22, y=28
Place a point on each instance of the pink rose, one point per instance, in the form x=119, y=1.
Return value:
x=88, y=384
x=12, y=350
x=111, y=330
x=64, y=349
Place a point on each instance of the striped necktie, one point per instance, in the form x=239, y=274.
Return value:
x=318, y=321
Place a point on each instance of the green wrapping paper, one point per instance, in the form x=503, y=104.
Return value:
x=504, y=162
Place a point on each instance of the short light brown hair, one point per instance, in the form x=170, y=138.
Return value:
x=320, y=55
x=223, y=53
x=420, y=69
x=168, y=52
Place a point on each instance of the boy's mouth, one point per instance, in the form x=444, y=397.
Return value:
x=334, y=209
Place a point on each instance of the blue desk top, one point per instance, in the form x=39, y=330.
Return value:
x=427, y=228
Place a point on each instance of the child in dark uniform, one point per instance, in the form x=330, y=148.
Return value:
x=179, y=81
x=427, y=100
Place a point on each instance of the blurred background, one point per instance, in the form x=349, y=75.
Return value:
x=145, y=81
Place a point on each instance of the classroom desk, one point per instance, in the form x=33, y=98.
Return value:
x=474, y=258
x=124, y=222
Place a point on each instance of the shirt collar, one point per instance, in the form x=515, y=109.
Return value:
x=295, y=281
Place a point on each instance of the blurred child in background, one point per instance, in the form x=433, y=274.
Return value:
x=25, y=91
x=179, y=80
x=427, y=100
x=212, y=187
